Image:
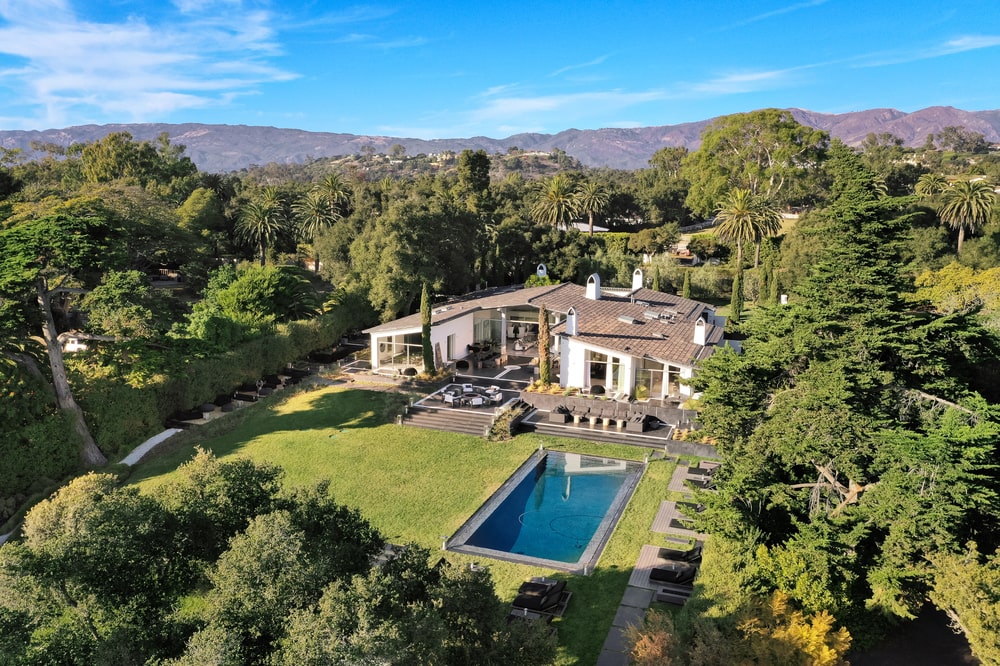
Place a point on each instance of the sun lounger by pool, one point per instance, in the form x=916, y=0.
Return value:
x=673, y=572
x=542, y=597
x=691, y=555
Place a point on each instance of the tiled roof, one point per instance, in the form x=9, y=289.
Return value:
x=644, y=323
x=501, y=298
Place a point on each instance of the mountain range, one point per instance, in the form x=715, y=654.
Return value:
x=225, y=148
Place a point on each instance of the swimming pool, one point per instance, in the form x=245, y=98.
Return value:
x=557, y=511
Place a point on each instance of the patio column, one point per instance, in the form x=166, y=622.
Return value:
x=503, y=334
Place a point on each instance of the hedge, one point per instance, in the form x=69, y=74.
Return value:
x=122, y=416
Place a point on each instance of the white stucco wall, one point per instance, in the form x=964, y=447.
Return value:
x=462, y=328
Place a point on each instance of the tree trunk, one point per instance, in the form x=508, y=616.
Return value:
x=316, y=264
x=263, y=254
x=756, y=254
x=590, y=217
x=90, y=454
x=961, y=237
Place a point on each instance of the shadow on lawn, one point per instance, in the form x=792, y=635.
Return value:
x=587, y=621
x=314, y=410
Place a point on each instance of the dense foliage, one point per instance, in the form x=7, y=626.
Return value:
x=859, y=427
x=222, y=566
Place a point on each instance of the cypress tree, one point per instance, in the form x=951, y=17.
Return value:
x=686, y=288
x=736, y=301
x=656, y=278
x=425, y=334
x=544, y=371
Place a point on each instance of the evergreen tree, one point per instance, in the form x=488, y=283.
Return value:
x=736, y=299
x=544, y=342
x=425, y=330
x=686, y=287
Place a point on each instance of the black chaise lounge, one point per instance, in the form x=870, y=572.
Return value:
x=543, y=597
x=678, y=573
x=691, y=555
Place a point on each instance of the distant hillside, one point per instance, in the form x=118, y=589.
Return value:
x=223, y=148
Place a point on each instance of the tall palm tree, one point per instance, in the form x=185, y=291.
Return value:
x=591, y=197
x=744, y=217
x=313, y=214
x=930, y=184
x=554, y=203
x=336, y=192
x=261, y=223
x=967, y=205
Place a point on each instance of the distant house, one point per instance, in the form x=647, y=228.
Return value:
x=633, y=341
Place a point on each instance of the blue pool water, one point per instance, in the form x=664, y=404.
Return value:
x=558, y=509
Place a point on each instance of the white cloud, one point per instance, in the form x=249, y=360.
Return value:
x=740, y=82
x=950, y=47
x=569, y=68
x=65, y=66
x=970, y=43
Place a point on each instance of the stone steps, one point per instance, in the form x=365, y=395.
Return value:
x=449, y=419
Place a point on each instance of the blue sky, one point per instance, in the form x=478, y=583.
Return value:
x=438, y=69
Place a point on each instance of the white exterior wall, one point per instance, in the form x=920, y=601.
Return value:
x=463, y=329
x=686, y=373
x=572, y=363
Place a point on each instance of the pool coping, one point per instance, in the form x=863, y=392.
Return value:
x=591, y=554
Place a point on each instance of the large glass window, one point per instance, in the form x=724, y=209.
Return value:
x=401, y=350
x=649, y=380
x=487, y=331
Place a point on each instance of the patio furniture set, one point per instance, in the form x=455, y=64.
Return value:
x=605, y=416
x=469, y=395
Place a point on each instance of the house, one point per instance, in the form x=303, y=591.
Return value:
x=632, y=341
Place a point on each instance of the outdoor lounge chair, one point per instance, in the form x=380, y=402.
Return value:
x=539, y=588
x=691, y=555
x=678, y=574
x=553, y=602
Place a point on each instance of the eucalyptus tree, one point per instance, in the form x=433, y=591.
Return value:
x=42, y=259
x=591, y=198
x=767, y=152
x=555, y=203
x=967, y=206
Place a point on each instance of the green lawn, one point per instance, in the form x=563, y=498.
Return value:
x=417, y=485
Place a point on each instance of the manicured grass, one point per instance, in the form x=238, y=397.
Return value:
x=418, y=485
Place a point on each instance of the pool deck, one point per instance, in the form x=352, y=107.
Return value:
x=640, y=590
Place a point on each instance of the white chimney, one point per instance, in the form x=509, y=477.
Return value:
x=541, y=271
x=784, y=299
x=571, y=322
x=637, y=279
x=594, y=287
x=700, y=329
